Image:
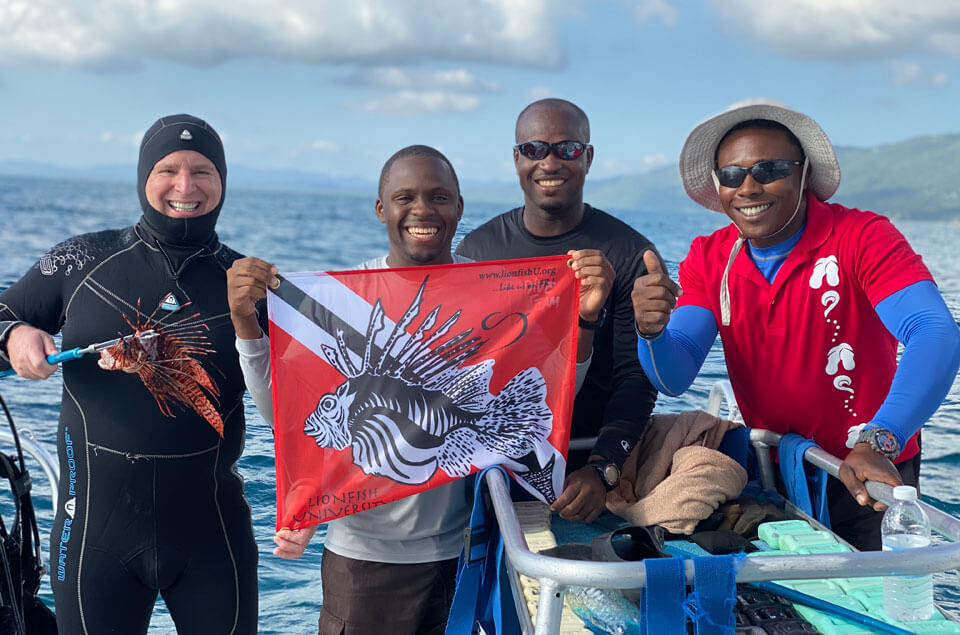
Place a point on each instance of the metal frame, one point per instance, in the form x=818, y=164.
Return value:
x=32, y=447
x=556, y=574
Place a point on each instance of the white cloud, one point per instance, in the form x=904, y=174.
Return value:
x=633, y=166
x=419, y=91
x=323, y=145
x=120, y=34
x=396, y=78
x=421, y=101
x=756, y=101
x=912, y=74
x=648, y=161
x=537, y=93
x=847, y=29
x=646, y=10
x=109, y=138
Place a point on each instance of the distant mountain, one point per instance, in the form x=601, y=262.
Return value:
x=918, y=178
x=117, y=173
x=238, y=176
x=653, y=191
x=658, y=190
x=254, y=178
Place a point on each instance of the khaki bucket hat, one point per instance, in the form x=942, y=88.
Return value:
x=700, y=149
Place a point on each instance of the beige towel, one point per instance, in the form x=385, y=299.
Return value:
x=679, y=477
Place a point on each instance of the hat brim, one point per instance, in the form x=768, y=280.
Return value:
x=700, y=148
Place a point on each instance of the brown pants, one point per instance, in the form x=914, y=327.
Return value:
x=370, y=598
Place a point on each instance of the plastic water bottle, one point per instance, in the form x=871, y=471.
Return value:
x=604, y=610
x=907, y=598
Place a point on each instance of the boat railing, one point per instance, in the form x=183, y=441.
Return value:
x=33, y=448
x=556, y=574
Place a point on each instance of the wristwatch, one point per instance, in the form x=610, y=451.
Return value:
x=609, y=473
x=881, y=441
x=593, y=326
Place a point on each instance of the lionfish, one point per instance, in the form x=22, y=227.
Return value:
x=164, y=358
x=413, y=408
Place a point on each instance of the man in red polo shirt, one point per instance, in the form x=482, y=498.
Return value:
x=810, y=299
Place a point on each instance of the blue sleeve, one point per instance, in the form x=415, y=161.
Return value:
x=918, y=317
x=672, y=360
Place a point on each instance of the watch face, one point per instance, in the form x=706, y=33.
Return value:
x=886, y=442
x=611, y=474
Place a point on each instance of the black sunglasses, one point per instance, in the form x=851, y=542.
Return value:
x=763, y=172
x=540, y=150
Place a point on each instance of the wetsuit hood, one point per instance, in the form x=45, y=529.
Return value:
x=170, y=134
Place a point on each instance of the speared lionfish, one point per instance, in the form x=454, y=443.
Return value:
x=163, y=356
x=411, y=408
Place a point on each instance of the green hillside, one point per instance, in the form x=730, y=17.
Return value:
x=658, y=190
x=918, y=178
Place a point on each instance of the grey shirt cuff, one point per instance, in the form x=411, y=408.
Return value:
x=582, y=368
x=255, y=366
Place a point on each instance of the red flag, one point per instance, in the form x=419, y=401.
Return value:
x=390, y=382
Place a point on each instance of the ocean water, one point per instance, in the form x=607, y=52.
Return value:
x=302, y=231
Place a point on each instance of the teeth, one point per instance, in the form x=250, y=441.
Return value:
x=550, y=182
x=756, y=209
x=184, y=207
x=422, y=232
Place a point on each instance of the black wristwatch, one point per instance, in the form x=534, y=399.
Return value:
x=609, y=473
x=881, y=441
x=593, y=326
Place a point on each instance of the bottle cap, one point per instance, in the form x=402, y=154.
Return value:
x=904, y=493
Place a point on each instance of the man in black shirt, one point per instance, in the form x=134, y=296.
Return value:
x=552, y=157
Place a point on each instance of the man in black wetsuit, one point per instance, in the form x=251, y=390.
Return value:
x=150, y=502
x=552, y=157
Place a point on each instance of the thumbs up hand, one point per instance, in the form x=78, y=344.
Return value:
x=654, y=296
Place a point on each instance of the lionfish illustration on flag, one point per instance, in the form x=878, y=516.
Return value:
x=390, y=382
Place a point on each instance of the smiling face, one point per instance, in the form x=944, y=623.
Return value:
x=184, y=184
x=553, y=185
x=421, y=205
x=764, y=214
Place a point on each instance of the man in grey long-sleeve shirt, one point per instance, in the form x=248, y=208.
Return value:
x=392, y=566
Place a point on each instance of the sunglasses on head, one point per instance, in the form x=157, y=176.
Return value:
x=540, y=150
x=763, y=172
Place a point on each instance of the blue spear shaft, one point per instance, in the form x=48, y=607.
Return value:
x=78, y=352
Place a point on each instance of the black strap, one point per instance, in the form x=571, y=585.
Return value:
x=21, y=563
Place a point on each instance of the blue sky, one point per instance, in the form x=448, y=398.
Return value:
x=335, y=87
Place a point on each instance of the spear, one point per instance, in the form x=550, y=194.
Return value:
x=80, y=351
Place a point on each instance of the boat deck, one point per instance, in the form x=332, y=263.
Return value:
x=554, y=575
